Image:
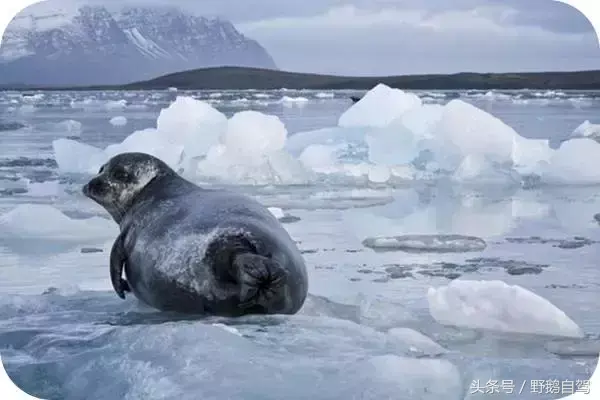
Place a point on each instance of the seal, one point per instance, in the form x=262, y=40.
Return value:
x=196, y=250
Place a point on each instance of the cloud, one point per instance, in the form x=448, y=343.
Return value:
x=354, y=40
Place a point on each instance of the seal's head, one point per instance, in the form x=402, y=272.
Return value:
x=121, y=179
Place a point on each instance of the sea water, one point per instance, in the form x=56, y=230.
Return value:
x=394, y=324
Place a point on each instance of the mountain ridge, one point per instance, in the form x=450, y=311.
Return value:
x=92, y=45
x=231, y=78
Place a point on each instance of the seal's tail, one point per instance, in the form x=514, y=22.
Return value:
x=261, y=280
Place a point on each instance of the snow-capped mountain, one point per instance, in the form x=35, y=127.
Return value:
x=90, y=45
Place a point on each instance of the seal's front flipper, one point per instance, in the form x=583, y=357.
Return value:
x=117, y=261
x=261, y=279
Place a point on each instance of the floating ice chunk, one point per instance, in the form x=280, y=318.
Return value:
x=575, y=162
x=35, y=221
x=574, y=348
x=252, y=151
x=76, y=157
x=379, y=107
x=464, y=129
x=495, y=305
x=148, y=141
x=118, y=121
x=274, y=168
x=115, y=104
x=587, y=129
x=324, y=95
x=33, y=98
x=277, y=212
x=172, y=89
x=288, y=99
x=416, y=341
x=427, y=243
x=193, y=124
x=215, y=95
x=254, y=133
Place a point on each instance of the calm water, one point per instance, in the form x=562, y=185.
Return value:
x=65, y=335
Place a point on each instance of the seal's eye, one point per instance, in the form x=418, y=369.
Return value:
x=120, y=174
x=101, y=170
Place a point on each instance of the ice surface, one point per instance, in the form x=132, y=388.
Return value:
x=426, y=379
x=118, y=121
x=379, y=107
x=33, y=221
x=427, y=243
x=324, y=95
x=495, y=305
x=115, y=104
x=417, y=342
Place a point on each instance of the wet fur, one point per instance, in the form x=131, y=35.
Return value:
x=188, y=249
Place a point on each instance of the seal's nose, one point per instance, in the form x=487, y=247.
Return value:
x=93, y=187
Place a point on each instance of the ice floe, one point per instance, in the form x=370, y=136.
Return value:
x=118, y=121
x=427, y=243
x=496, y=305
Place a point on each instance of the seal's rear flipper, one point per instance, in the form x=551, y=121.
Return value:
x=260, y=278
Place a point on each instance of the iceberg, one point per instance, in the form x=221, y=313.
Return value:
x=379, y=107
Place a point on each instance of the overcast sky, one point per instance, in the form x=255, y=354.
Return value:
x=378, y=37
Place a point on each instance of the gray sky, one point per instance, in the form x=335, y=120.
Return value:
x=377, y=37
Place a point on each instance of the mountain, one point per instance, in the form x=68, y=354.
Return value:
x=90, y=45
